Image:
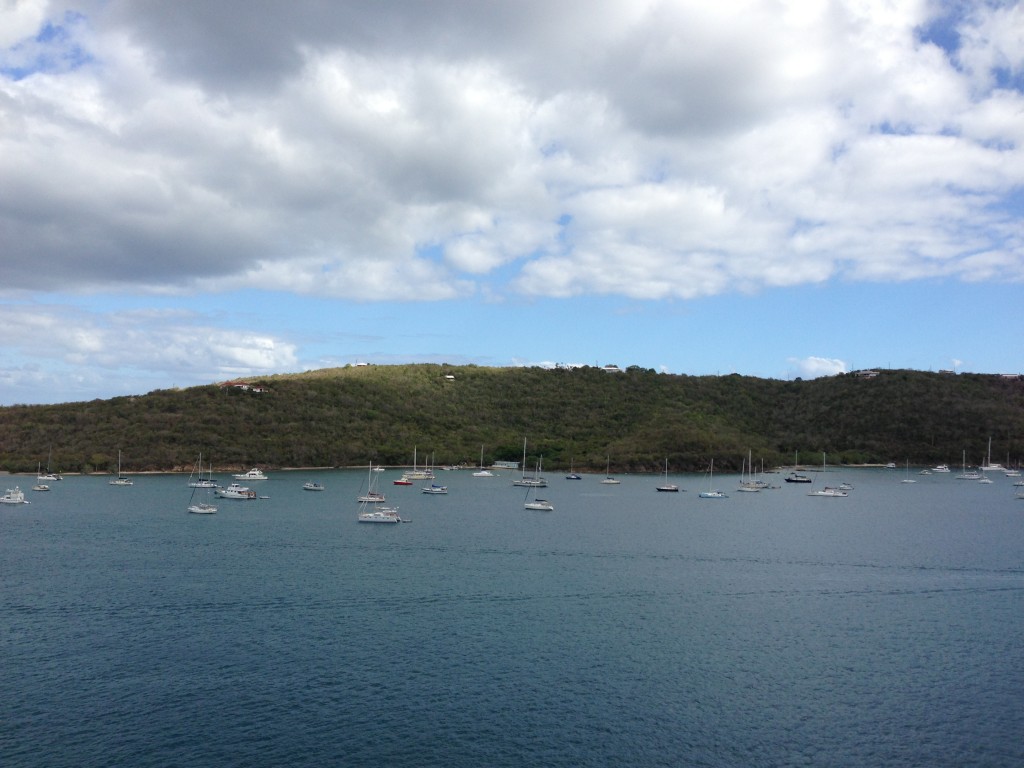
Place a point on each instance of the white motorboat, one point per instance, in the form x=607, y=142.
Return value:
x=40, y=487
x=941, y=468
x=830, y=492
x=253, y=474
x=236, y=491
x=312, y=486
x=380, y=515
x=13, y=496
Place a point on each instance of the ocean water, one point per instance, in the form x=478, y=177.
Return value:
x=627, y=628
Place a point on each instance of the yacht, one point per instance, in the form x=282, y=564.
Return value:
x=253, y=474
x=235, y=491
x=829, y=491
x=13, y=496
x=941, y=468
x=312, y=486
x=380, y=515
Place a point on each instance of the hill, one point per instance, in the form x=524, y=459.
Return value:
x=637, y=417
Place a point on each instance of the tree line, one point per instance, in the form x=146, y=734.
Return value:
x=636, y=419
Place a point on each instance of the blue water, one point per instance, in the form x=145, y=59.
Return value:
x=627, y=628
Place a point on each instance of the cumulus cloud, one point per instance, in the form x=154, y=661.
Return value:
x=697, y=149
x=815, y=367
x=424, y=151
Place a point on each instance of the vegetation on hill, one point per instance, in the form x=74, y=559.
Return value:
x=636, y=418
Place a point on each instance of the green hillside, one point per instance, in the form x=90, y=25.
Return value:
x=350, y=416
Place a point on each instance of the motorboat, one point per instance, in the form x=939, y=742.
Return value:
x=796, y=477
x=236, y=491
x=40, y=487
x=253, y=474
x=202, y=508
x=380, y=515
x=312, y=486
x=13, y=496
x=941, y=468
x=436, y=489
x=403, y=480
x=830, y=492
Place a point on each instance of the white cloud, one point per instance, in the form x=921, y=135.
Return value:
x=428, y=152
x=814, y=367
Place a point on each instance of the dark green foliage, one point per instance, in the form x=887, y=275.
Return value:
x=350, y=416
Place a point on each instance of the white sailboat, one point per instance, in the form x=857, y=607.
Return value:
x=828, y=490
x=200, y=507
x=48, y=477
x=748, y=484
x=989, y=466
x=530, y=482
x=374, y=514
x=539, y=505
x=908, y=479
x=200, y=481
x=608, y=479
x=483, y=471
x=711, y=493
x=964, y=474
x=372, y=495
x=120, y=479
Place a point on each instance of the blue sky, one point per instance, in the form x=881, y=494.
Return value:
x=194, y=191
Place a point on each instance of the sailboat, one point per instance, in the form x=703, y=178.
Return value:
x=748, y=485
x=666, y=486
x=829, y=491
x=572, y=473
x=988, y=466
x=200, y=507
x=202, y=482
x=372, y=514
x=530, y=482
x=964, y=474
x=608, y=479
x=120, y=479
x=49, y=477
x=709, y=493
x=372, y=495
x=482, y=472
x=539, y=505
x=908, y=479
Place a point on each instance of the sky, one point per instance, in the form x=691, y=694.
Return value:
x=196, y=191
